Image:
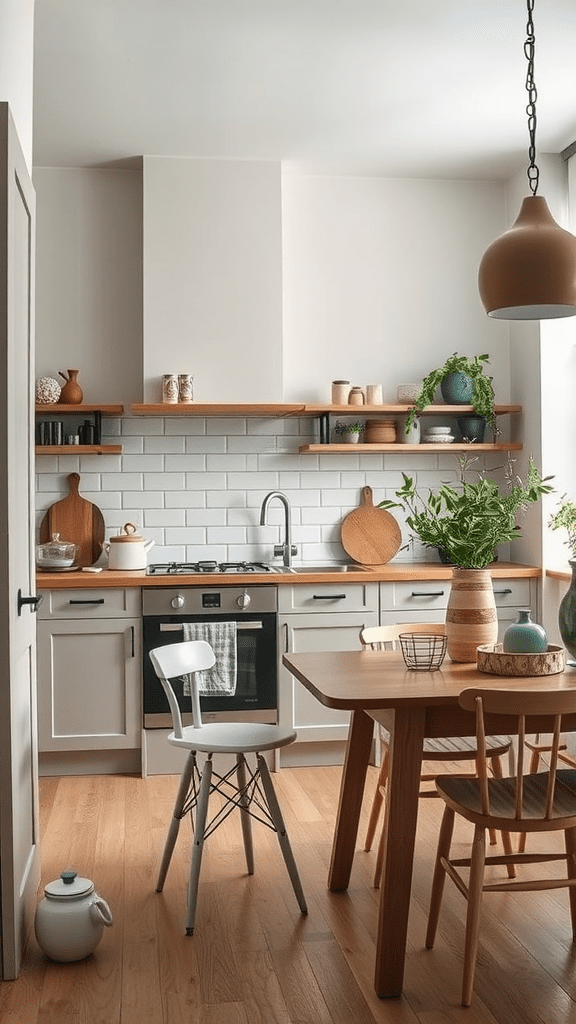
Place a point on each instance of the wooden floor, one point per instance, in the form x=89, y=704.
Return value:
x=254, y=959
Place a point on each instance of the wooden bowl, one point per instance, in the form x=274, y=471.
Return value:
x=492, y=659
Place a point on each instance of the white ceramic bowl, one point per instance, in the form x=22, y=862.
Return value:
x=438, y=438
x=438, y=430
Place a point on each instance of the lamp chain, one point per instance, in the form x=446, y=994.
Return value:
x=529, y=47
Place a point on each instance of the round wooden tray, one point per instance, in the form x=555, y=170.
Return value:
x=492, y=659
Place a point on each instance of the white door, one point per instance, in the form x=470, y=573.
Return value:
x=19, y=849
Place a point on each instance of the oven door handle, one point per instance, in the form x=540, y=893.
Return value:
x=177, y=627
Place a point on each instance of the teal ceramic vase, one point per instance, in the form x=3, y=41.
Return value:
x=472, y=428
x=567, y=617
x=525, y=636
x=457, y=389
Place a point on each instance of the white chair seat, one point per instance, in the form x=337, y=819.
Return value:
x=233, y=737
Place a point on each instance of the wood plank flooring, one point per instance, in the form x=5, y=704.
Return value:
x=254, y=959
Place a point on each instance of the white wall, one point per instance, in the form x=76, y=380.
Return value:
x=380, y=281
x=213, y=278
x=89, y=279
x=16, y=66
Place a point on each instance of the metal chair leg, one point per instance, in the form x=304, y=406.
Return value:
x=276, y=815
x=177, y=816
x=244, y=812
x=198, y=846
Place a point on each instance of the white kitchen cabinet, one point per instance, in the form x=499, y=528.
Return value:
x=89, y=671
x=318, y=617
x=425, y=601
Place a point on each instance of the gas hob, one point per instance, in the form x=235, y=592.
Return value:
x=193, y=568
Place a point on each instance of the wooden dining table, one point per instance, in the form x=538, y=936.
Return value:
x=376, y=686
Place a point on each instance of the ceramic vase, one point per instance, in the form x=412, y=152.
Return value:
x=413, y=435
x=472, y=428
x=470, y=614
x=457, y=389
x=567, y=617
x=525, y=636
x=71, y=393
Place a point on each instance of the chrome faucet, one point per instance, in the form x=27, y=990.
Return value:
x=287, y=549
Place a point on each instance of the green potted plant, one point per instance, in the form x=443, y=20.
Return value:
x=468, y=522
x=349, y=432
x=565, y=517
x=459, y=376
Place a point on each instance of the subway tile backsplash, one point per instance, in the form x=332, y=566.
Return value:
x=196, y=485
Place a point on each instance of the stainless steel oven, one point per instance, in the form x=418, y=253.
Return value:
x=254, y=610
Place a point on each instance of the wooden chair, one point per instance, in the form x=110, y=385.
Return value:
x=539, y=745
x=542, y=802
x=244, y=787
x=443, y=749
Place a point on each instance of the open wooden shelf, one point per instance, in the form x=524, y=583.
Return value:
x=55, y=408
x=78, y=449
x=447, y=449
x=301, y=409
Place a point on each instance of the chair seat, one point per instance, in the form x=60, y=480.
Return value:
x=463, y=747
x=233, y=737
x=463, y=795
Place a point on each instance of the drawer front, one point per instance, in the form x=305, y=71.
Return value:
x=421, y=596
x=91, y=604
x=307, y=598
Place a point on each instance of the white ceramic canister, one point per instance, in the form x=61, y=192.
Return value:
x=170, y=388
x=127, y=551
x=373, y=394
x=356, y=396
x=340, y=391
x=70, y=918
x=185, y=388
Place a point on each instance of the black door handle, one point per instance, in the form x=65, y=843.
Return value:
x=34, y=602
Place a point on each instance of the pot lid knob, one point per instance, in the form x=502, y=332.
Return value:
x=68, y=876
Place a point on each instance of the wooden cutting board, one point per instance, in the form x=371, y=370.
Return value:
x=76, y=520
x=370, y=535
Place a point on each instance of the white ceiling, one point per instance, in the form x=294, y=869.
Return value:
x=420, y=88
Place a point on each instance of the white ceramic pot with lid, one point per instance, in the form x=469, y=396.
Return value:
x=127, y=551
x=70, y=918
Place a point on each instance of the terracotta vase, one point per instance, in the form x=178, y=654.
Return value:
x=471, y=617
x=71, y=393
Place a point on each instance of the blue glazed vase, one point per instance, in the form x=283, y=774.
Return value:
x=567, y=617
x=472, y=428
x=525, y=636
x=457, y=389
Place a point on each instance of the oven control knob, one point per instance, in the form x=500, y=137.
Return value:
x=178, y=601
x=244, y=600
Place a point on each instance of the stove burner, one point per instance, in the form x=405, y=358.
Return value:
x=192, y=568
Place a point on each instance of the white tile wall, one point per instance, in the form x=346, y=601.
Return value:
x=196, y=485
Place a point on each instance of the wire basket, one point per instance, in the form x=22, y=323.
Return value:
x=423, y=651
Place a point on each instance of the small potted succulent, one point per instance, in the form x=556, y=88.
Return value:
x=462, y=381
x=348, y=432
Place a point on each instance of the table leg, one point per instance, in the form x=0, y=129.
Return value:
x=407, y=738
x=351, y=792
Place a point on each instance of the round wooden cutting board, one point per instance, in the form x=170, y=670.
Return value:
x=370, y=535
x=77, y=521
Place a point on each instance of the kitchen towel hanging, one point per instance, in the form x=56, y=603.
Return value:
x=220, y=680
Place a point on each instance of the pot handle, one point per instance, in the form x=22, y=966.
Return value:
x=101, y=911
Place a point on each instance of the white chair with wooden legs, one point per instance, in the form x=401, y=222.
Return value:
x=248, y=788
x=444, y=749
x=542, y=802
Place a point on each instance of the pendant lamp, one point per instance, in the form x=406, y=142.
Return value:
x=529, y=273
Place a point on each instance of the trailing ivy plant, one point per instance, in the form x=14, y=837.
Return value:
x=483, y=391
x=566, y=517
x=470, y=522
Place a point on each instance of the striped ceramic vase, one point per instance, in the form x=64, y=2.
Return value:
x=470, y=614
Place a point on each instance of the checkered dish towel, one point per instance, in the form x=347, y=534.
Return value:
x=220, y=680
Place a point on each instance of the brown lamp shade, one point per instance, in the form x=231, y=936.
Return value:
x=529, y=272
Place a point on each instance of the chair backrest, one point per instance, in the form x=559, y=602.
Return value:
x=378, y=638
x=182, y=659
x=518, y=705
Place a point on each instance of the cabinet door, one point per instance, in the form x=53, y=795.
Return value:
x=322, y=632
x=89, y=684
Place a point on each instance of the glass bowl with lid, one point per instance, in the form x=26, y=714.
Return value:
x=56, y=554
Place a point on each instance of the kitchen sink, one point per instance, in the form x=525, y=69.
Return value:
x=317, y=569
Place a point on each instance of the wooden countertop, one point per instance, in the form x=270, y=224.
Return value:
x=391, y=573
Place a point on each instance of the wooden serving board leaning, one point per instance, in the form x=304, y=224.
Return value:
x=76, y=520
x=370, y=535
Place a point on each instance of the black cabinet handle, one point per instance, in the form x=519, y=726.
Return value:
x=499, y=593
x=427, y=593
x=86, y=600
x=132, y=631
x=328, y=597
x=33, y=602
